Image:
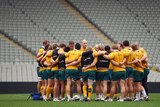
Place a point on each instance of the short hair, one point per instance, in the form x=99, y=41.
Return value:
x=84, y=40
x=89, y=49
x=107, y=48
x=78, y=46
x=126, y=43
x=114, y=46
x=71, y=42
x=50, y=47
x=62, y=45
x=101, y=46
x=121, y=45
x=67, y=49
x=45, y=42
x=134, y=47
x=54, y=46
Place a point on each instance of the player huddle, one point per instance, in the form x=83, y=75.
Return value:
x=61, y=65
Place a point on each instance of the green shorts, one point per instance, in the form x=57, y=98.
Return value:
x=55, y=74
x=89, y=75
x=129, y=72
x=110, y=71
x=138, y=76
x=39, y=74
x=100, y=76
x=118, y=75
x=50, y=74
x=44, y=75
x=62, y=75
x=146, y=72
x=72, y=74
x=80, y=71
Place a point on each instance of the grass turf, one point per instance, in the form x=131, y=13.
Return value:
x=19, y=100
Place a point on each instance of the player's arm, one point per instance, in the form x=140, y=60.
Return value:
x=92, y=64
x=67, y=61
x=54, y=62
x=110, y=56
x=74, y=62
x=134, y=61
x=99, y=53
x=46, y=64
x=143, y=58
x=40, y=58
x=121, y=64
x=39, y=55
x=43, y=59
x=124, y=60
x=61, y=52
x=70, y=61
x=139, y=65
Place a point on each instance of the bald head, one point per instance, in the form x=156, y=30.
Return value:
x=84, y=44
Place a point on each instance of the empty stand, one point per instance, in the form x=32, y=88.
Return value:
x=10, y=53
x=18, y=72
x=120, y=23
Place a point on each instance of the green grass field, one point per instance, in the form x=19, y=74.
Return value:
x=19, y=100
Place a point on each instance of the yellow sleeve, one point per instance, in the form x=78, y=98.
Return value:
x=40, y=51
x=67, y=54
x=45, y=56
x=95, y=60
x=126, y=52
x=57, y=59
x=66, y=58
x=95, y=53
x=49, y=53
x=111, y=56
x=134, y=56
x=143, y=51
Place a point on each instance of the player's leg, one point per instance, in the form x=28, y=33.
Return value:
x=68, y=88
x=56, y=85
x=105, y=83
x=98, y=89
x=108, y=89
x=122, y=77
x=90, y=89
x=144, y=81
x=85, y=82
x=62, y=83
x=142, y=89
x=76, y=77
x=130, y=84
x=113, y=90
x=39, y=84
x=91, y=78
x=50, y=83
x=49, y=88
x=79, y=89
x=45, y=84
x=122, y=85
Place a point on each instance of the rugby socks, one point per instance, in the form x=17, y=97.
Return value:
x=84, y=90
x=138, y=95
x=144, y=93
x=107, y=95
x=48, y=91
x=52, y=90
x=41, y=91
x=115, y=95
x=90, y=91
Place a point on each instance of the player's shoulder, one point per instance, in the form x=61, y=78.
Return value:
x=41, y=49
